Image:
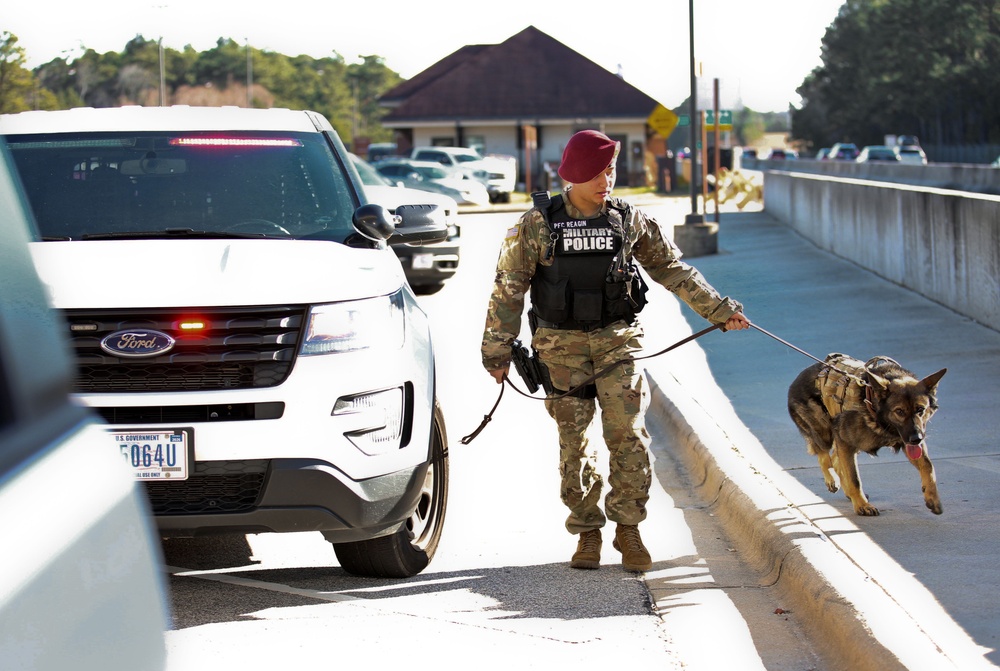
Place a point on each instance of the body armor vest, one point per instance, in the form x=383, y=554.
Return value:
x=581, y=289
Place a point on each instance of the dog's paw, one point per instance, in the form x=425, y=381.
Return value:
x=935, y=507
x=831, y=485
x=866, y=510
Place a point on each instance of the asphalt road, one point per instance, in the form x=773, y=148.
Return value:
x=725, y=589
x=499, y=593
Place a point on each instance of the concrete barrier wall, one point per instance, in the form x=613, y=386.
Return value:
x=957, y=176
x=942, y=244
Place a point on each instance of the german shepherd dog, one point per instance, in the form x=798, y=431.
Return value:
x=844, y=406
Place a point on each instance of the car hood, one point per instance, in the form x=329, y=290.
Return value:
x=191, y=273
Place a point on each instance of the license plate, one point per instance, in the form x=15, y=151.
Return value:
x=156, y=455
x=423, y=261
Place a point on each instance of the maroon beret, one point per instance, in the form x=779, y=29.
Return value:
x=587, y=154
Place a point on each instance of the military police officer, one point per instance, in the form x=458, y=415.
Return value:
x=575, y=256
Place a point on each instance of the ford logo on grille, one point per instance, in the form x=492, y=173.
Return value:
x=137, y=343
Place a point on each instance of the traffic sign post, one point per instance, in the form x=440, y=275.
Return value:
x=663, y=121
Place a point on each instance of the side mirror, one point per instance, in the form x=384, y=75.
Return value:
x=374, y=222
x=421, y=224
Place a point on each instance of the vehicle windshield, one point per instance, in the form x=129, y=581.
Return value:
x=430, y=172
x=234, y=184
x=369, y=175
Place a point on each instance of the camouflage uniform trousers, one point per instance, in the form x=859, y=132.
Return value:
x=572, y=357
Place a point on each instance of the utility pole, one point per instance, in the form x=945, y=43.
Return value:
x=163, y=77
x=249, y=76
x=694, y=217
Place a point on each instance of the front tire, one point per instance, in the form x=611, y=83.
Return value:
x=409, y=550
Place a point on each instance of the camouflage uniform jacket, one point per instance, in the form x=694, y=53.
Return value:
x=524, y=248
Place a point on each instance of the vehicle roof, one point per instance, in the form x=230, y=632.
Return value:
x=466, y=151
x=410, y=162
x=174, y=118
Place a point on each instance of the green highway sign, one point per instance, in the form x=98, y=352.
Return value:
x=725, y=119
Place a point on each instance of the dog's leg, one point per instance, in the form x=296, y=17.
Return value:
x=846, y=461
x=826, y=468
x=928, y=482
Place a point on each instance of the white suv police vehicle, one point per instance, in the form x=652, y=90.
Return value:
x=240, y=322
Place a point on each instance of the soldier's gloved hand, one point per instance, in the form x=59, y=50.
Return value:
x=499, y=373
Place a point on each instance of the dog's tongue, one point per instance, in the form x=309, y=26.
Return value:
x=913, y=452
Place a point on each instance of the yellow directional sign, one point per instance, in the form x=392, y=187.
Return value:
x=663, y=121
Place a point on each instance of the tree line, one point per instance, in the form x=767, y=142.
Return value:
x=929, y=68
x=228, y=74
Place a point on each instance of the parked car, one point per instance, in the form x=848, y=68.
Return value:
x=498, y=173
x=430, y=176
x=240, y=322
x=843, y=151
x=82, y=584
x=427, y=266
x=877, y=153
x=911, y=154
x=380, y=150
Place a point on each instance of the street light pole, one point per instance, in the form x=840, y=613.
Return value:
x=249, y=75
x=163, y=78
x=694, y=217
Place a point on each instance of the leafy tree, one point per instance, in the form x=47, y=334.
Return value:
x=922, y=67
x=370, y=79
x=345, y=94
x=19, y=90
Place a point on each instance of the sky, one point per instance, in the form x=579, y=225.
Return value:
x=759, y=50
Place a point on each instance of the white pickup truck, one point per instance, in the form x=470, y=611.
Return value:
x=499, y=173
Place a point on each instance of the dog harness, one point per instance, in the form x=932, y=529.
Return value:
x=842, y=383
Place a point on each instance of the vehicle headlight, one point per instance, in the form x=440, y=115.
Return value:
x=371, y=323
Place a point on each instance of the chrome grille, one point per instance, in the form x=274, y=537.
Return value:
x=238, y=348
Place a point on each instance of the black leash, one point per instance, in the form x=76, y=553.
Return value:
x=862, y=382
x=786, y=343
x=489, y=417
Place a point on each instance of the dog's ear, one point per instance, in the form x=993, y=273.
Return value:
x=931, y=380
x=878, y=381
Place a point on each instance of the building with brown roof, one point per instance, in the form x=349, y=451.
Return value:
x=528, y=91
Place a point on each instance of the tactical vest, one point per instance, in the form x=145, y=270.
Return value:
x=590, y=283
x=840, y=385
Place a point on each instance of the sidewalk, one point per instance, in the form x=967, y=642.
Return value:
x=906, y=589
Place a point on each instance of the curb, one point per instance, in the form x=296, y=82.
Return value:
x=862, y=610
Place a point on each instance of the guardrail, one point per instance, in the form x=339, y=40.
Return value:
x=942, y=243
x=977, y=178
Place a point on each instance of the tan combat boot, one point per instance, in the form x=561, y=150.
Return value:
x=588, y=550
x=635, y=556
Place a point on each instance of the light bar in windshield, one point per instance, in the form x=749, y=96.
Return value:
x=234, y=142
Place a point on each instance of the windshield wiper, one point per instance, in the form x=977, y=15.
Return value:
x=175, y=233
